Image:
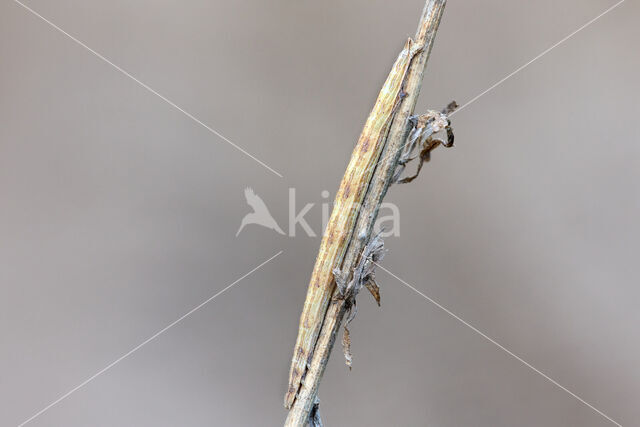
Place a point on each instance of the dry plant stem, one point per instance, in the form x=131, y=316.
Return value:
x=345, y=212
x=378, y=185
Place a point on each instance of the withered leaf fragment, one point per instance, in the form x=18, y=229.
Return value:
x=423, y=133
x=343, y=217
x=346, y=347
x=374, y=289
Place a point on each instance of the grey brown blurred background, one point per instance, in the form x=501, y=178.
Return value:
x=118, y=213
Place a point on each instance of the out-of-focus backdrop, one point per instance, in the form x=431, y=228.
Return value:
x=119, y=213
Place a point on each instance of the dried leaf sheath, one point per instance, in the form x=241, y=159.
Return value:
x=340, y=227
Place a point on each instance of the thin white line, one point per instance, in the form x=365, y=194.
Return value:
x=165, y=99
x=537, y=57
x=491, y=340
x=525, y=65
x=136, y=348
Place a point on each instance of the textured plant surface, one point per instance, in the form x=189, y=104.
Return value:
x=348, y=252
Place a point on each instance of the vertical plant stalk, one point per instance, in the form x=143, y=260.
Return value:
x=302, y=399
x=343, y=218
